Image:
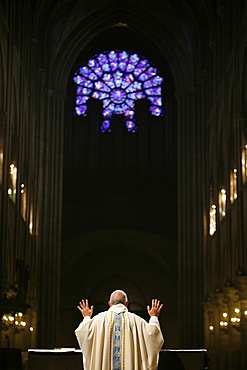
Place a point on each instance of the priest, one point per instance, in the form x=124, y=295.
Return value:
x=117, y=339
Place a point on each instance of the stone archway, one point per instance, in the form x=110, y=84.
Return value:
x=141, y=263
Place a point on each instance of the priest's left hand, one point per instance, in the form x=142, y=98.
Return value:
x=155, y=308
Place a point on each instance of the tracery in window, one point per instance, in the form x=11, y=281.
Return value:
x=118, y=78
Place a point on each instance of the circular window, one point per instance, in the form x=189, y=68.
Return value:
x=118, y=78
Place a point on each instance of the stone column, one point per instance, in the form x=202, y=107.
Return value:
x=190, y=233
x=49, y=214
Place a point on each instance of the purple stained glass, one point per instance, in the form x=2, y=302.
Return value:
x=129, y=113
x=118, y=96
x=118, y=78
x=156, y=111
x=106, y=125
x=130, y=125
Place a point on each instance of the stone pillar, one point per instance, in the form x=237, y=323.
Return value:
x=49, y=214
x=190, y=233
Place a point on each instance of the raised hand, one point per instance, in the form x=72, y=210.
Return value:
x=84, y=308
x=155, y=308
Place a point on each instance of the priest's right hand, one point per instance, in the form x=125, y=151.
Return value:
x=84, y=308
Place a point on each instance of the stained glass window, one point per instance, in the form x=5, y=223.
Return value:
x=118, y=78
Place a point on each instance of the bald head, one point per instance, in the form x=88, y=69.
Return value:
x=118, y=296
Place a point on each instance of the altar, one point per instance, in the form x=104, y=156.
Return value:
x=71, y=359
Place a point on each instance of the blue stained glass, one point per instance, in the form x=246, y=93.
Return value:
x=129, y=113
x=134, y=58
x=156, y=111
x=78, y=79
x=122, y=66
x=92, y=63
x=155, y=100
x=136, y=95
x=88, y=83
x=137, y=85
x=114, y=66
x=98, y=71
x=130, y=103
x=92, y=76
x=112, y=55
x=130, y=125
x=130, y=67
x=107, y=77
x=153, y=91
x=111, y=84
x=118, y=96
x=106, y=102
x=102, y=59
x=106, y=124
x=118, y=78
x=107, y=112
x=125, y=83
x=118, y=109
x=80, y=90
x=81, y=99
x=157, y=91
x=151, y=71
x=158, y=80
x=99, y=85
x=106, y=67
x=84, y=70
x=147, y=84
x=80, y=110
x=100, y=95
x=86, y=91
x=152, y=82
x=123, y=56
x=149, y=91
x=143, y=77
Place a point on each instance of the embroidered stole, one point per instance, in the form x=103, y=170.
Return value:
x=117, y=337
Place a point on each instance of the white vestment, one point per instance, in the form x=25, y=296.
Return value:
x=140, y=341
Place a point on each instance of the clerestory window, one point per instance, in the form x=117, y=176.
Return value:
x=118, y=78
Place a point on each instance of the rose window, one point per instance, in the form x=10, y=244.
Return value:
x=118, y=78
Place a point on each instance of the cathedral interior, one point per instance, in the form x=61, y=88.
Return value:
x=123, y=165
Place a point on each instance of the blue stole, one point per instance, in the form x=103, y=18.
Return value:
x=117, y=342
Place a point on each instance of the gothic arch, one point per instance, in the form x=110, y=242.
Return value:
x=145, y=266
x=175, y=51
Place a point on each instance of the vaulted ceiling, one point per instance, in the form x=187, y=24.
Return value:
x=177, y=29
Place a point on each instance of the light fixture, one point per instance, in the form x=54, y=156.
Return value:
x=235, y=320
x=224, y=322
x=211, y=328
